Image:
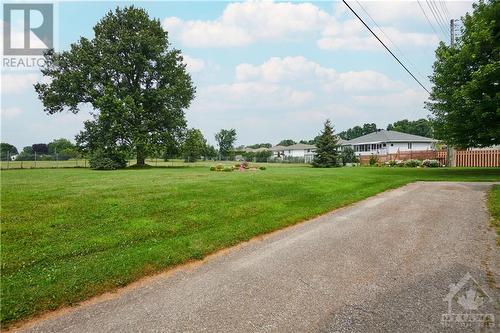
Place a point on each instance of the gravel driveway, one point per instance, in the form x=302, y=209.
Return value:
x=383, y=264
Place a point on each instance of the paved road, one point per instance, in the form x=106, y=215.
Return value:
x=384, y=264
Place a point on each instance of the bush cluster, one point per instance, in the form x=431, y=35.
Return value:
x=413, y=163
x=431, y=163
x=107, y=160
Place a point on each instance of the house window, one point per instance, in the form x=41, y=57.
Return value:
x=383, y=145
x=409, y=145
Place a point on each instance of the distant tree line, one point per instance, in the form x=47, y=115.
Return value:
x=422, y=127
x=59, y=149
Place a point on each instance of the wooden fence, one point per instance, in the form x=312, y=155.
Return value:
x=477, y=158
x=461, y=158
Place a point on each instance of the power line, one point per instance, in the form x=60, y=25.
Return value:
x=440, y=13
x=381, y=42
x=392, y=42
x=427, y=17
x=438, y=16
x=445, y=9
x=439, y=23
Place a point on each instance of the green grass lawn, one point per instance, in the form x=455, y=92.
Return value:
x=69, y=234
x=494, y=207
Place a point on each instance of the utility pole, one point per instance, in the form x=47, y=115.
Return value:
x=450, y=153
x=452, y=32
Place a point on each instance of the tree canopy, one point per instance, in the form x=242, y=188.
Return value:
x=327, y=154
x=194, y=145
x=225, y=140
x=6, y=151
x=137, y=85
x=260, y=145
x=357, y=131
x=286, y=142
x=465, y=97
x=422, y=127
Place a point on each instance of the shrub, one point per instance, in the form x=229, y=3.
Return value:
x=391, y=163
x=412, y=163
x=227, y=169
x=373, y=160
x=107, y=160
x=262, y=168
x=431, y=163
x=348, y=156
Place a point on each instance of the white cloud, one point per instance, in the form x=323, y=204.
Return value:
x=244, y=23
x=300, y=69
x=398, y=100
x=284, y=69
x=18, y=82
x=249, y=22
x=11, y=112
x=352, y=35
x=252, y=95
x=404, y=11
x=194, y=65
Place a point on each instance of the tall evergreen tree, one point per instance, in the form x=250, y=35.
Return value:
x=327, y=154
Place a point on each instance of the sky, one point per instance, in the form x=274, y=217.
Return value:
x=271, y=70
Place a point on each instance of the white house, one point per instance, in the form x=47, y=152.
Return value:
x=299, y=151
x=384, y=142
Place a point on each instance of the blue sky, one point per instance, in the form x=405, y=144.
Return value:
x=271, y=70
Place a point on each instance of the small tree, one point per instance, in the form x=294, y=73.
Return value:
x=348, y=156
x=327, y=154
x=210, y=153
x=225, y=140
x=27, y=154
x=194, y=146
x=40, y=148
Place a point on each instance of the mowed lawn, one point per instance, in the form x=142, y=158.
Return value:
x=69, y=234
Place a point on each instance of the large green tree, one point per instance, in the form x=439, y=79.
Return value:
x=465, y=98
x=327, y=153
x=225, y=140
x=6, y=151
x=194, y=145
x=137, y=85
x=422, y=127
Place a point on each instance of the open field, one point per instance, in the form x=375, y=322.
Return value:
x=70, y=234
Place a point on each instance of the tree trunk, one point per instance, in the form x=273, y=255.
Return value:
x=141, y=156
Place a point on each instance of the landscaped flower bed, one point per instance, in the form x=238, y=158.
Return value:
x=245, y=166
x=413, y=163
